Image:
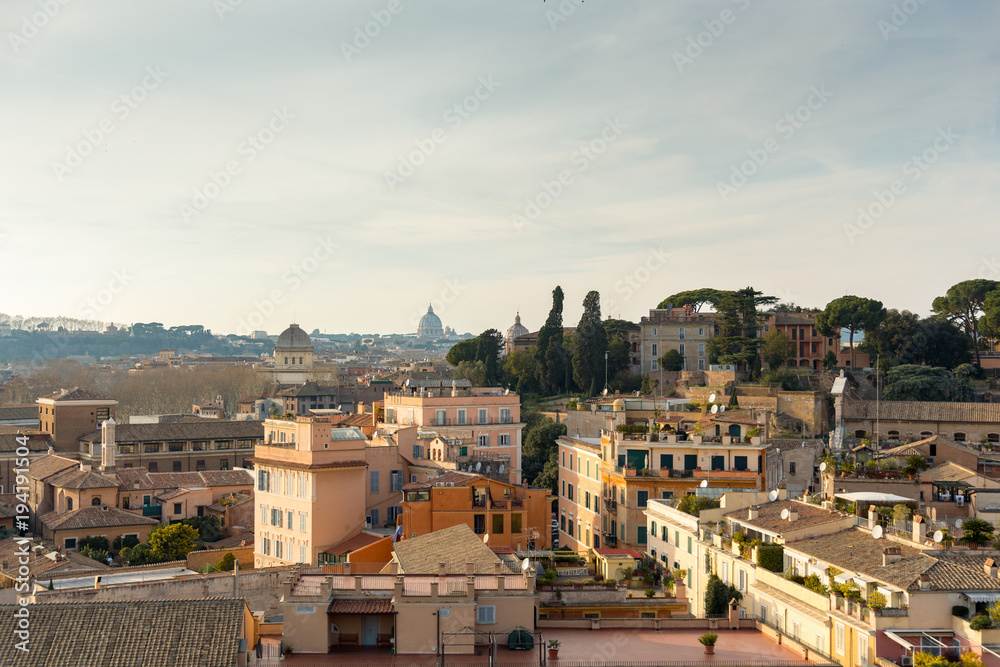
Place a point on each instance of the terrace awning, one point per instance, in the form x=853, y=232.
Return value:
x=873, y=497
x=983, y=597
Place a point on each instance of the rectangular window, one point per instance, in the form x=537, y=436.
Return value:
x=503, y=439
x=461, y=416
x=302, y=522
x=263, y=515
x=588, y=467
x=515, y=523
x=586, y=497
x=484, y=439
x=641, y=498
x=418, y=451
x=655, y=350
x=652, y=528
x=680, y=333
x=373, y=481
x=276, y=517
x=439, y=417
x=667, y=461
x=291, y=519
x=395, y=480
x=677, y=538
x=498, y=524
x=681, y=349
x=302, y=553
x=177, y=466
x=701, y=349
x=740, y=462
x=641, y=535
x=701, y=364
x=791, y=467
x=153, y=467
x=374, y=518
x=725, y=572
x=741, y=580
x=486, y=614
x=839, y=639
x=262, y=480
x=690, y=551
x=482, y=415
x=505, y=416
x=569, y=492
x=223, y=465
x=178, y=508
x=863, y=650
x=70, y=543
x=479, y=524
x=277, y=548
x=690, y=461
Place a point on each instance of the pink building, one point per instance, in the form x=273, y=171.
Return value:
x=489, y=418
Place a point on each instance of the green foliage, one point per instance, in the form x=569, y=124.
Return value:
x=551, y=354
x=539, y=453
x=877, y=601
x=977, y=531
x=672, y=361
x=127, y=541
x=814, y=583
x=589, y=344
x=990, y=321
x=94, y=543
x=209, y=527
x=100, y=555
x=777, y=349
x=227, y=563
x=960, y=610
x=693, y=505
x=465, y=350
x=141, y=554
x=650, y=592
x=738, y=341
x=903, y=338
x=696, y=298
x=925, y=383
x=981, y=622
x=174, y=541
x=771, y=557
x=915, y=464
x=830, y=360
x=489, y=350
x=709, y=638
x=853, y=313
x=963, y=304
x=901, y=512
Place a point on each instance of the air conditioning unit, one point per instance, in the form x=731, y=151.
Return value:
x=906, y=661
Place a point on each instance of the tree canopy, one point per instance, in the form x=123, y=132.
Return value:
x=695, y=298
x=174, y=541
x=590, y=342
x=777, y=349
x=738, y=341
x=550, y=351
x=963, y=304
x=927, y=383
x=855, y=313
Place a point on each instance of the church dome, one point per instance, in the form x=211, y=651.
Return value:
x=430, y=325
x=517, y=329
x=294, y=338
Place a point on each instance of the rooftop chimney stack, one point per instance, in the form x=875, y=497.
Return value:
x=108, y=445
x=891, y=555
x=991, y=567
x=792, y=516
x=925, y=582
x=752, y=514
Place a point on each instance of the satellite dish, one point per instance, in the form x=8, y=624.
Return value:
x=877, y=532
x=822, y=466
x=704, y=484
x=525, y=564
x=804, y=444
x=470, y=467
x=958, y=523
x=722, y=408
x=479, y=466
x=773, y=495
x=488, y=469
x=711, y=398
x=501, y=469
x=938, y=536
x=715, y=409
x=486, y=538
x=784, y=514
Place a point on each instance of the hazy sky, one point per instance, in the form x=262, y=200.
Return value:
x=241, y=164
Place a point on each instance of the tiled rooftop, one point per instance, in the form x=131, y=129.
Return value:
x=769, y=516
x=94, y=517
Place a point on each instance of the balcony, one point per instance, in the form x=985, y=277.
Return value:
x=610, y=504
x=724, y=474
x=155, y=511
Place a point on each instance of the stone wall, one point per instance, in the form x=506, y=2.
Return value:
x=261, y=589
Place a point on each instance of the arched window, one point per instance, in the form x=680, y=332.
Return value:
x=893, y=435
x=286, y=361
x=96, y=500
x=69, y=504
x=860, y=433
x=993, y=437
x=958, y=437
x=300, y=361
x=926, y=434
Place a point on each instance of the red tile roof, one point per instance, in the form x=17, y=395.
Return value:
x=619, y=552
x=361, y=607
x=353, y=543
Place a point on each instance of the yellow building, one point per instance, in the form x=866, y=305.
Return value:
x=310, y=492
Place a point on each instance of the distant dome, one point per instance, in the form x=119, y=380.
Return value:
x=618, y=405
x=430, y=325
x=516, y=330
x=294, y=338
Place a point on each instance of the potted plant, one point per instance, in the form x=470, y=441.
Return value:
x=708, y=641
x=554, y=649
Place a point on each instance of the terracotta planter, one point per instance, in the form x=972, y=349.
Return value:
x=709, y=650
x=553, y=654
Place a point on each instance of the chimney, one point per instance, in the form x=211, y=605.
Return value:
x=991, y=567
x=752, y=514
x=496, y=569
x=236, y=579
x=441, y=569
x=361, y=407
x=97, y=582
x=925, y=582
x=792, y=516
x=108, y=445
x=470, y=569
x=891, y=555
x=919, y=529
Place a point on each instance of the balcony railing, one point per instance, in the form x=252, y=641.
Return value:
x=152, y=510
x=610, y=504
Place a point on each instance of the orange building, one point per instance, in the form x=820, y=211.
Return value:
x=811, y=347
x=513, y=516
